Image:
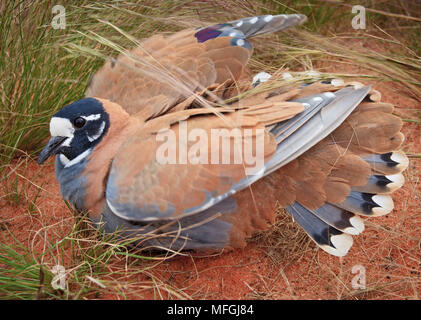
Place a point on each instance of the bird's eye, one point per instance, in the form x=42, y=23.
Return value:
x=79, y=122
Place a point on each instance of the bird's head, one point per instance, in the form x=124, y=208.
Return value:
x=75, y=130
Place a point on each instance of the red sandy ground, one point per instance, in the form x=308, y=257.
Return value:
x=276, y=264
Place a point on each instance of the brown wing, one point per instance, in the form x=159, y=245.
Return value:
x=143, y=177
x=163, y=71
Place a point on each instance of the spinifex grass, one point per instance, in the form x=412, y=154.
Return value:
x=35, y=79
x=21, y=276
x=43, y=69
x=92, y=264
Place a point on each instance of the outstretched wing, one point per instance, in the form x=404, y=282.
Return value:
x=141, y=189
x=173, y=169
x=163, y=71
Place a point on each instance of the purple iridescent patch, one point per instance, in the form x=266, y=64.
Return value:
x=208, y=33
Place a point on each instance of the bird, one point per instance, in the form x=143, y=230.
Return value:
x=330, y=150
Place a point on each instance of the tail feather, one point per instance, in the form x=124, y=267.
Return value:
x=324, y=235
x=367, y=204
x=388, y=163
x=382, y=184
x=340, y=219
x=370, y=135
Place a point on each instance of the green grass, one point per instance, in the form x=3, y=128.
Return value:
x=42, y=69
x=96, y=266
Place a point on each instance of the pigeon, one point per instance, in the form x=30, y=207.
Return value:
x=174, y=147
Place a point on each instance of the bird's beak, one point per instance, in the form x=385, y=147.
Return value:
x=51, y=148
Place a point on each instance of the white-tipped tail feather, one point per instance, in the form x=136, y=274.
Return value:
x=401, y=159
x=341, y=245
x=386, y=205
x=397, y=181
x=357, y=226
x=388, y=163
x=380, y=184
x=367, y=204
x=322, y=232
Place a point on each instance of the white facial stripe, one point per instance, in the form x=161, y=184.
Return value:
x=61, y=127
x=98, y=134
x=91, y=117
x=78, y=159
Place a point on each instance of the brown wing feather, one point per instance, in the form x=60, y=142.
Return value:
x=140, y=177
x=171, y=68
x=195, y=181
